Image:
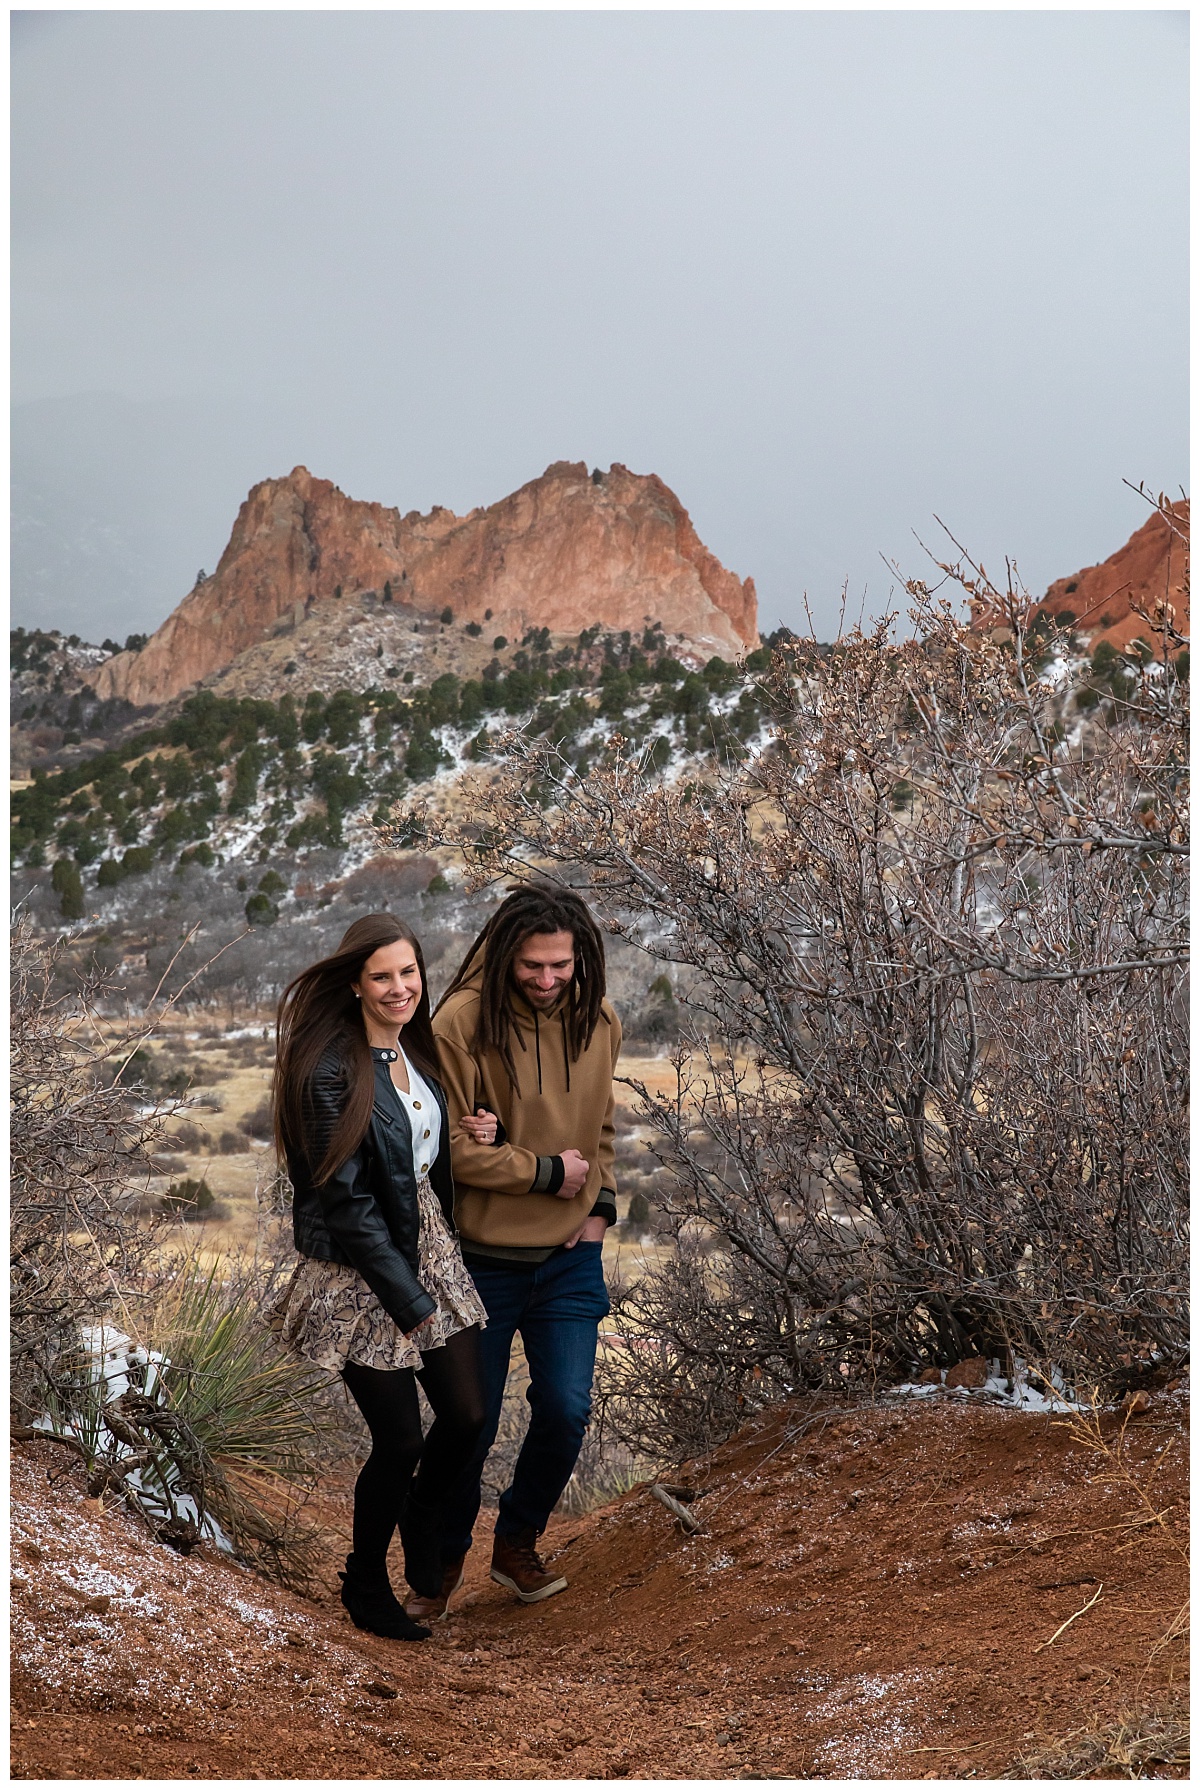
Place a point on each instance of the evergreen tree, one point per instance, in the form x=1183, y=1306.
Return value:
x=67, y=883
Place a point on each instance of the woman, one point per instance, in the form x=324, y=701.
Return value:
x=382, y=1295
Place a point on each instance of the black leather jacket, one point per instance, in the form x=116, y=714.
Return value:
x=365, y=1216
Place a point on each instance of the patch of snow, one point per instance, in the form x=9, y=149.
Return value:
x=114, y=1364
x=874, y=1713
x=1000, y=1389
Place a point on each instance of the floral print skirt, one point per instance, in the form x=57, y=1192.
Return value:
x=327, y=1312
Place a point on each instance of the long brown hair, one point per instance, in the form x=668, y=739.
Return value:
x=318, y=1012
x=534, y=907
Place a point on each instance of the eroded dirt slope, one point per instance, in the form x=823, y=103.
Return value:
x=872, y=1594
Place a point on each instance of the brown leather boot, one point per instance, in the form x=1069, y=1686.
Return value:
x=433, y=1609
x=515, y=1563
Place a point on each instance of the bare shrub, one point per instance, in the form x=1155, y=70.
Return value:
x=655, y=1021
x=165, y=1163
x=605, y=1469
x=696, y=1347
x=81, y=1140
x=188, y=1136
x=382, y=881
x=933, y=1098
x=258, y=1123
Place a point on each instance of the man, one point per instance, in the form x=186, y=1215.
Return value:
x=525, y=1033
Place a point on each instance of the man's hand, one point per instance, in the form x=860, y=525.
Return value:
x=590, y=1231
x=575, y=1173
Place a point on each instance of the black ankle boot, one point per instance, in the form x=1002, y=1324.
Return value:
x=421, y=1538
x=373, y=1605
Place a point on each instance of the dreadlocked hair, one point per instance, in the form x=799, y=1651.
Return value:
x=534, y=907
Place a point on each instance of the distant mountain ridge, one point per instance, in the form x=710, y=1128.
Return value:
x=567, y=551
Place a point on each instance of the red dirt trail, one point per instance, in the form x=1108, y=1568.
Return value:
x=873, y=1594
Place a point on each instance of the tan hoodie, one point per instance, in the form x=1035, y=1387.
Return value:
x=503, y=1196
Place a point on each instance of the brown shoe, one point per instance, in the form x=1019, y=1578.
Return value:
x=433, y=1609
x=515, y=1563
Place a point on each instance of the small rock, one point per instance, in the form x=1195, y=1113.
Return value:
x=293, y=1639
x=932, y=1376
x=376, y=1688
x=1135, y=1403
x=724, y=1739
x=32, y=1552
x=98, y=1605
x=971, y=1373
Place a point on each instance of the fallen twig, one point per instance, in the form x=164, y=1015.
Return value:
x=24, y=1432
x=1095, y=1598
x=687, y=1522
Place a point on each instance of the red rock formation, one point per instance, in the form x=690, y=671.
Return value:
x=565, y=552
x=1152, y=567
x=1105, y=600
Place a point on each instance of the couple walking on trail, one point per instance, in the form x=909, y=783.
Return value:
x=452, y=1181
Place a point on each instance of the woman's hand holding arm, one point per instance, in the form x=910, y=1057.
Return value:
x=481, y=1126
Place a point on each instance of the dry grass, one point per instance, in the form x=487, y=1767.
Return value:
x=1153, y=1744
x=1090, y=1428
x=1146, y=1741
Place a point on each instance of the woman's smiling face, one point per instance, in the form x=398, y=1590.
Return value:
x=389, y=987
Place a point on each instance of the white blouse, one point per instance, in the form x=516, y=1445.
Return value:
x=423, y=1117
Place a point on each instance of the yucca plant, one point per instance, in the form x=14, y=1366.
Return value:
x=252, y=1413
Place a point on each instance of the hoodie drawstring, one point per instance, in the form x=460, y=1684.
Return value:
x=537, y=1045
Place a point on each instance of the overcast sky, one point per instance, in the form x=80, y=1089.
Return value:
x=825, y=273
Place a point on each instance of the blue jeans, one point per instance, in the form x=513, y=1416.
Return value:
x=557, y=1307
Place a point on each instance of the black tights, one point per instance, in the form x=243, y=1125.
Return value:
x=452, y=1382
